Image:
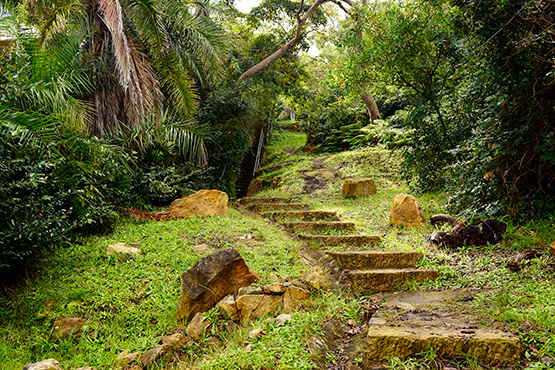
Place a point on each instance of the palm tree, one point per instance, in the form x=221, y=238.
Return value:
x=143, y=55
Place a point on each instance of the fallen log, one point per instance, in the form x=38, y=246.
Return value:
x=478, y=233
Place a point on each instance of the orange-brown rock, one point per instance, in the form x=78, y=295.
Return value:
x=552, y=248
x=255, y=186
x=212, y=278
x=294, y=297
x=406, y=211
x=358, y=187
x=203, y=203
x=251, y=306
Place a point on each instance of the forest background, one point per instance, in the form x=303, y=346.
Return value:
x=108, y=104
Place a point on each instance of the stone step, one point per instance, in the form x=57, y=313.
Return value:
x=386, y=280
x=340, y=239
x=254, y=200
x=302, y=215
x=309, y=227
x=491, y=346
x=370, y=260
x=278, y=207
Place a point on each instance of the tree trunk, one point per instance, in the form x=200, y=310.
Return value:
x=372, y=107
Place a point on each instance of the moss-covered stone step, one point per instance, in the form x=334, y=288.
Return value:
x=386, y=280
x=301, y=215
x=330, y=240
x=258, y=207
x=491, y=346
x=313, y=226
x=255, y=200
x=370, y=260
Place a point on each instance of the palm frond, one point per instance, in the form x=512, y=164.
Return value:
x=177, y=84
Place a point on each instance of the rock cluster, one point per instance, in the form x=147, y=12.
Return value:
x=211, y=279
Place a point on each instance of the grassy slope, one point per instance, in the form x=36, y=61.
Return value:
x=129, y=303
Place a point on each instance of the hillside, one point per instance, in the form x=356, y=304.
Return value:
x=128, y=303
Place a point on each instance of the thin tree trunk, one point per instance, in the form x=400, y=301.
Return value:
x=372, y=107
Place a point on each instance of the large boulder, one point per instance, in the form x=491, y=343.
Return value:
x=203, y=203
x=358, y=187
x=49, y=364
x=406, y=211
x=212, y=278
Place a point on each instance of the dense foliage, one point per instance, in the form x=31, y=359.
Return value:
x=477, y=78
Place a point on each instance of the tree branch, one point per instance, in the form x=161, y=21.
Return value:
x=285, y=48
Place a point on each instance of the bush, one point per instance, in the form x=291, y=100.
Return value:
x=46, y=196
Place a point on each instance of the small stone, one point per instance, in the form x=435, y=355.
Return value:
x=86, y=368
x=202, y=248
x=173, y=339
x=249, y=290
x=256, y=333
x=127, y=249
x=316, y=279
x=151, y=356
x=274, y=288
x=197, y=327
x=125, y=358
x=49, y=364
x=552, y=248
x=281, y=319
x=293, y=297
x=228, y=308
x=64, y=327
x=358, y=187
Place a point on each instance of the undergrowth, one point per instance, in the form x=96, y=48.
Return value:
x=130, y=302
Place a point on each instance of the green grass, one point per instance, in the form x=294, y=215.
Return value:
x=128, y=303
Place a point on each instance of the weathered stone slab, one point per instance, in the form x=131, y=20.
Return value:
x=358, y=187
x=370, y=260
x=278, y=207
x=388, y=279
x=341, y=239
x=203, y=203
x=301, y=215
x=310, y=227
x=406, y=211
x=257, y=305
x=49, y=364
x=255, y=200
x=212, y=278
x=491, y=346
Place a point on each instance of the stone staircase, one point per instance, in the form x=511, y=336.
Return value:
x=371, y=271
x=368, y=271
